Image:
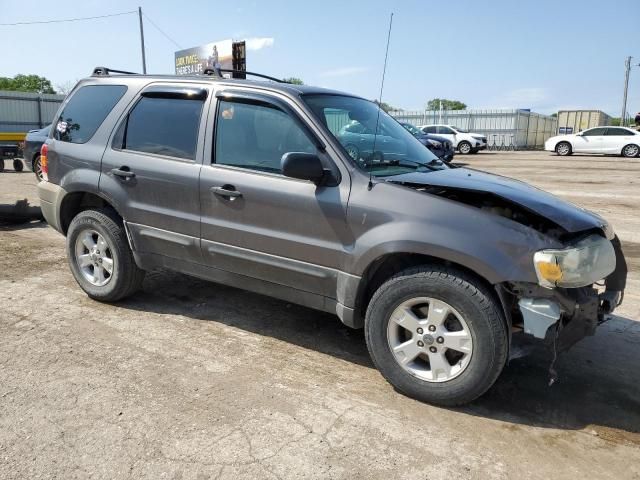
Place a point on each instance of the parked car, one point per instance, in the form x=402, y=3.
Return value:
x=251, y=184
x=32, y=144
x=359, y=141
x=11, y=151
x=439, y=146
x=462, y=140
x=607, y=140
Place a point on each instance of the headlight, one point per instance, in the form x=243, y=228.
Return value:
x=588, y=261
x=477, y=137
x=434, y=143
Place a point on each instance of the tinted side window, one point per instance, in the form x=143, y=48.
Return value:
x=256, y=136
x=594, y=132
x=429, y=129
x=445, y=131
x=85, y=112
x=164, y=126
x=618, y=132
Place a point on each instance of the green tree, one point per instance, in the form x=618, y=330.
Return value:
x=26, y=83
x=615, y=122
x=434, y=104
x=293, y=80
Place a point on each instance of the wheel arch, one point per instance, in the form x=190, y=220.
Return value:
x=78, y=201
x=389, y=264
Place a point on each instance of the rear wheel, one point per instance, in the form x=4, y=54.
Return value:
x=18, y=166
x=436, y=334
x=464, y=147
x=630, y=151
x=37, y=168
x=99, y=256
x=1, y=165
x=563, y=149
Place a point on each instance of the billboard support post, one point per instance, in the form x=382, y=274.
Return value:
x=144, y=60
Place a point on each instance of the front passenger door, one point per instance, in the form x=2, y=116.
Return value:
x=591, y=141
x=255, y=221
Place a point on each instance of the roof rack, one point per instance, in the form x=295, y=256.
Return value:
x=216, y=72
x=103, y=71
x=219, y=71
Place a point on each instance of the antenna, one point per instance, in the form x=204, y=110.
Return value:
x=384, y=71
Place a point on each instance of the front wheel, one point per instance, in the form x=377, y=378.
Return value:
x=437, y=335
x=464, y=148
x=563, y=149
x=18, y=166
x=99, y=256
x=631, y=151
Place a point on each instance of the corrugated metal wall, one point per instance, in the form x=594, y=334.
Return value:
x=24, y=111
x=519, y=129
x=572, y=121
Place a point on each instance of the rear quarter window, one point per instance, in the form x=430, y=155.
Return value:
x=85, y=111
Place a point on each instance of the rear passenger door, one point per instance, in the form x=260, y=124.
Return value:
x=151, y=168
x=255, y=221
x=615, y=139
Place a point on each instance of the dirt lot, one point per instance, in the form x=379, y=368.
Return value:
x=196, y=380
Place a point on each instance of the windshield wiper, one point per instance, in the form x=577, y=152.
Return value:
x=429, y=165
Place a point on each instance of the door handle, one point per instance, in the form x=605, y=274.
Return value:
x=226, y=191
x=123, y=172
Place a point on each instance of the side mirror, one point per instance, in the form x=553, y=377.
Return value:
x=304, y=166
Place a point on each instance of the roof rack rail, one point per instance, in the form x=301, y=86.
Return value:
x=102, y=71
x=219, y=71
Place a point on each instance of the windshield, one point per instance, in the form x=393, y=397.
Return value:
x=352, y=121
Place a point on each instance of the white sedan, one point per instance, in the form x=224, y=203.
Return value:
x=605, y=140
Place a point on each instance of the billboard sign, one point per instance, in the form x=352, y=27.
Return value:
x=226, y=55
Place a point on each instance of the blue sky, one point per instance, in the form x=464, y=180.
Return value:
x=544, y=55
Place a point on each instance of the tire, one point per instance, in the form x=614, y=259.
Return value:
x=474, y=151
x=563, y=149
x=483, y=335
x=18, y=166
x=37, y=168
x=631, y=151
x=1, y=165
x=464, y=147
x=86, y=229
x=352, y=151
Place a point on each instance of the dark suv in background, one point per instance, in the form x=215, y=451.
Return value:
x=249, y=184
x=439, y=146
x=32, y=145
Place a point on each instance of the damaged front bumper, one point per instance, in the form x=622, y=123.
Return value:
x=563, y=316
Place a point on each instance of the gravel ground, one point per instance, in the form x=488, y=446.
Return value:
x=195, y=380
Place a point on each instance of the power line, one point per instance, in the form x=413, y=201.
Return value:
x=161, y=31
x=67, y=19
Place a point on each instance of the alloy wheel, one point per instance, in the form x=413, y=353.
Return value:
x=429, y=339
x=631, y=151
x=94, y=258
x=563, y=149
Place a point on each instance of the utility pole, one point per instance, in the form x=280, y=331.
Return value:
x=144, y=60
x=627, y=68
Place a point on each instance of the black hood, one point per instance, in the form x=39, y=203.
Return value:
x=564, y=214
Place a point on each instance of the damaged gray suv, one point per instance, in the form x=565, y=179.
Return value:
x=247, y=183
